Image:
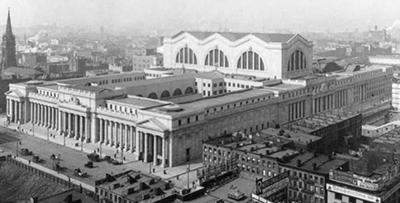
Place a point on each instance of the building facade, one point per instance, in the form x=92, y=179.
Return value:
x=163, y=120
x=381, y=186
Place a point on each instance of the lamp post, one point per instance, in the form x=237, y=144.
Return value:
x=47, y=127
x=188, y=170
x=16, y=149
x=122, y=153
x=100, y=149
x=81, y=138
x=62, y=134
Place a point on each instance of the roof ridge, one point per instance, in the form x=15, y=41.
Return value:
x=234, y=36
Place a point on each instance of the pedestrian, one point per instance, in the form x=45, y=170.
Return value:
x=29, y=161
x=154, y=170
x=165, y=172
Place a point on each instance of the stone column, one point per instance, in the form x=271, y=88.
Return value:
x=133, y=139
x=20, y=112
x=46, y=116
x=93, y=130
x=145, y=150
x=14, y=113
x=31, y=111
x=114, y=133
x=163, y=146
x=76, y=129
x=155, y=150
x=69, y=124
x=121, y=132
x=137, y=143
x=59, y=121
x=169, y=150
x=88, y=130
x=38, y=114
x=8, y=107
x=43, y=115
x=126, y=138
x=107, y=132
x=101, y=128
x=110, y=134
x=81, y=126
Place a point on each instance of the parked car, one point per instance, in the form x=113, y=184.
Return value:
x=78, y=172
x=116, y=162
x=26, y=152
x=108, y=159
x=235, y=194
x=36, y=159
x=94, y=157
x=89, y=164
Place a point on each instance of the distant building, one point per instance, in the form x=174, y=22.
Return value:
x=146, y=61
x=396, y=92
x=32, y=59
x=57, y=68
x=120, y=68
x=132, y=186
x=8, y=58
x=385, y=60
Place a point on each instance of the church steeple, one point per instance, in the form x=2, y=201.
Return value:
x=8, y=28
x=8, y=58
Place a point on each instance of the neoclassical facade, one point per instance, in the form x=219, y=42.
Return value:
x=265, y=55
x=164, y=120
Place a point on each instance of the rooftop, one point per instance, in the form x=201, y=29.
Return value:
x=306, y=161
x=139, y=102
x=234, y=36
x=318, y=121
x=295, y=136
x=134, y=185
x=208, y=102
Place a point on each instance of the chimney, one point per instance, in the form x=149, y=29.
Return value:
x=314, y=166
x=298, y=162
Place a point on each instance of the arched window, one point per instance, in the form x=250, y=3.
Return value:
x=186, y=55
x=297, y=61
x=216, y=57
x=165, y=94
x=250, y=60
x=153, y=95
x=177, y=92
x=189, y=90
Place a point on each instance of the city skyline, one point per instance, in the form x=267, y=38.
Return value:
x=254, y=15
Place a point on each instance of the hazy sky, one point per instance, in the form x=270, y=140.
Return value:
x=244, y=15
